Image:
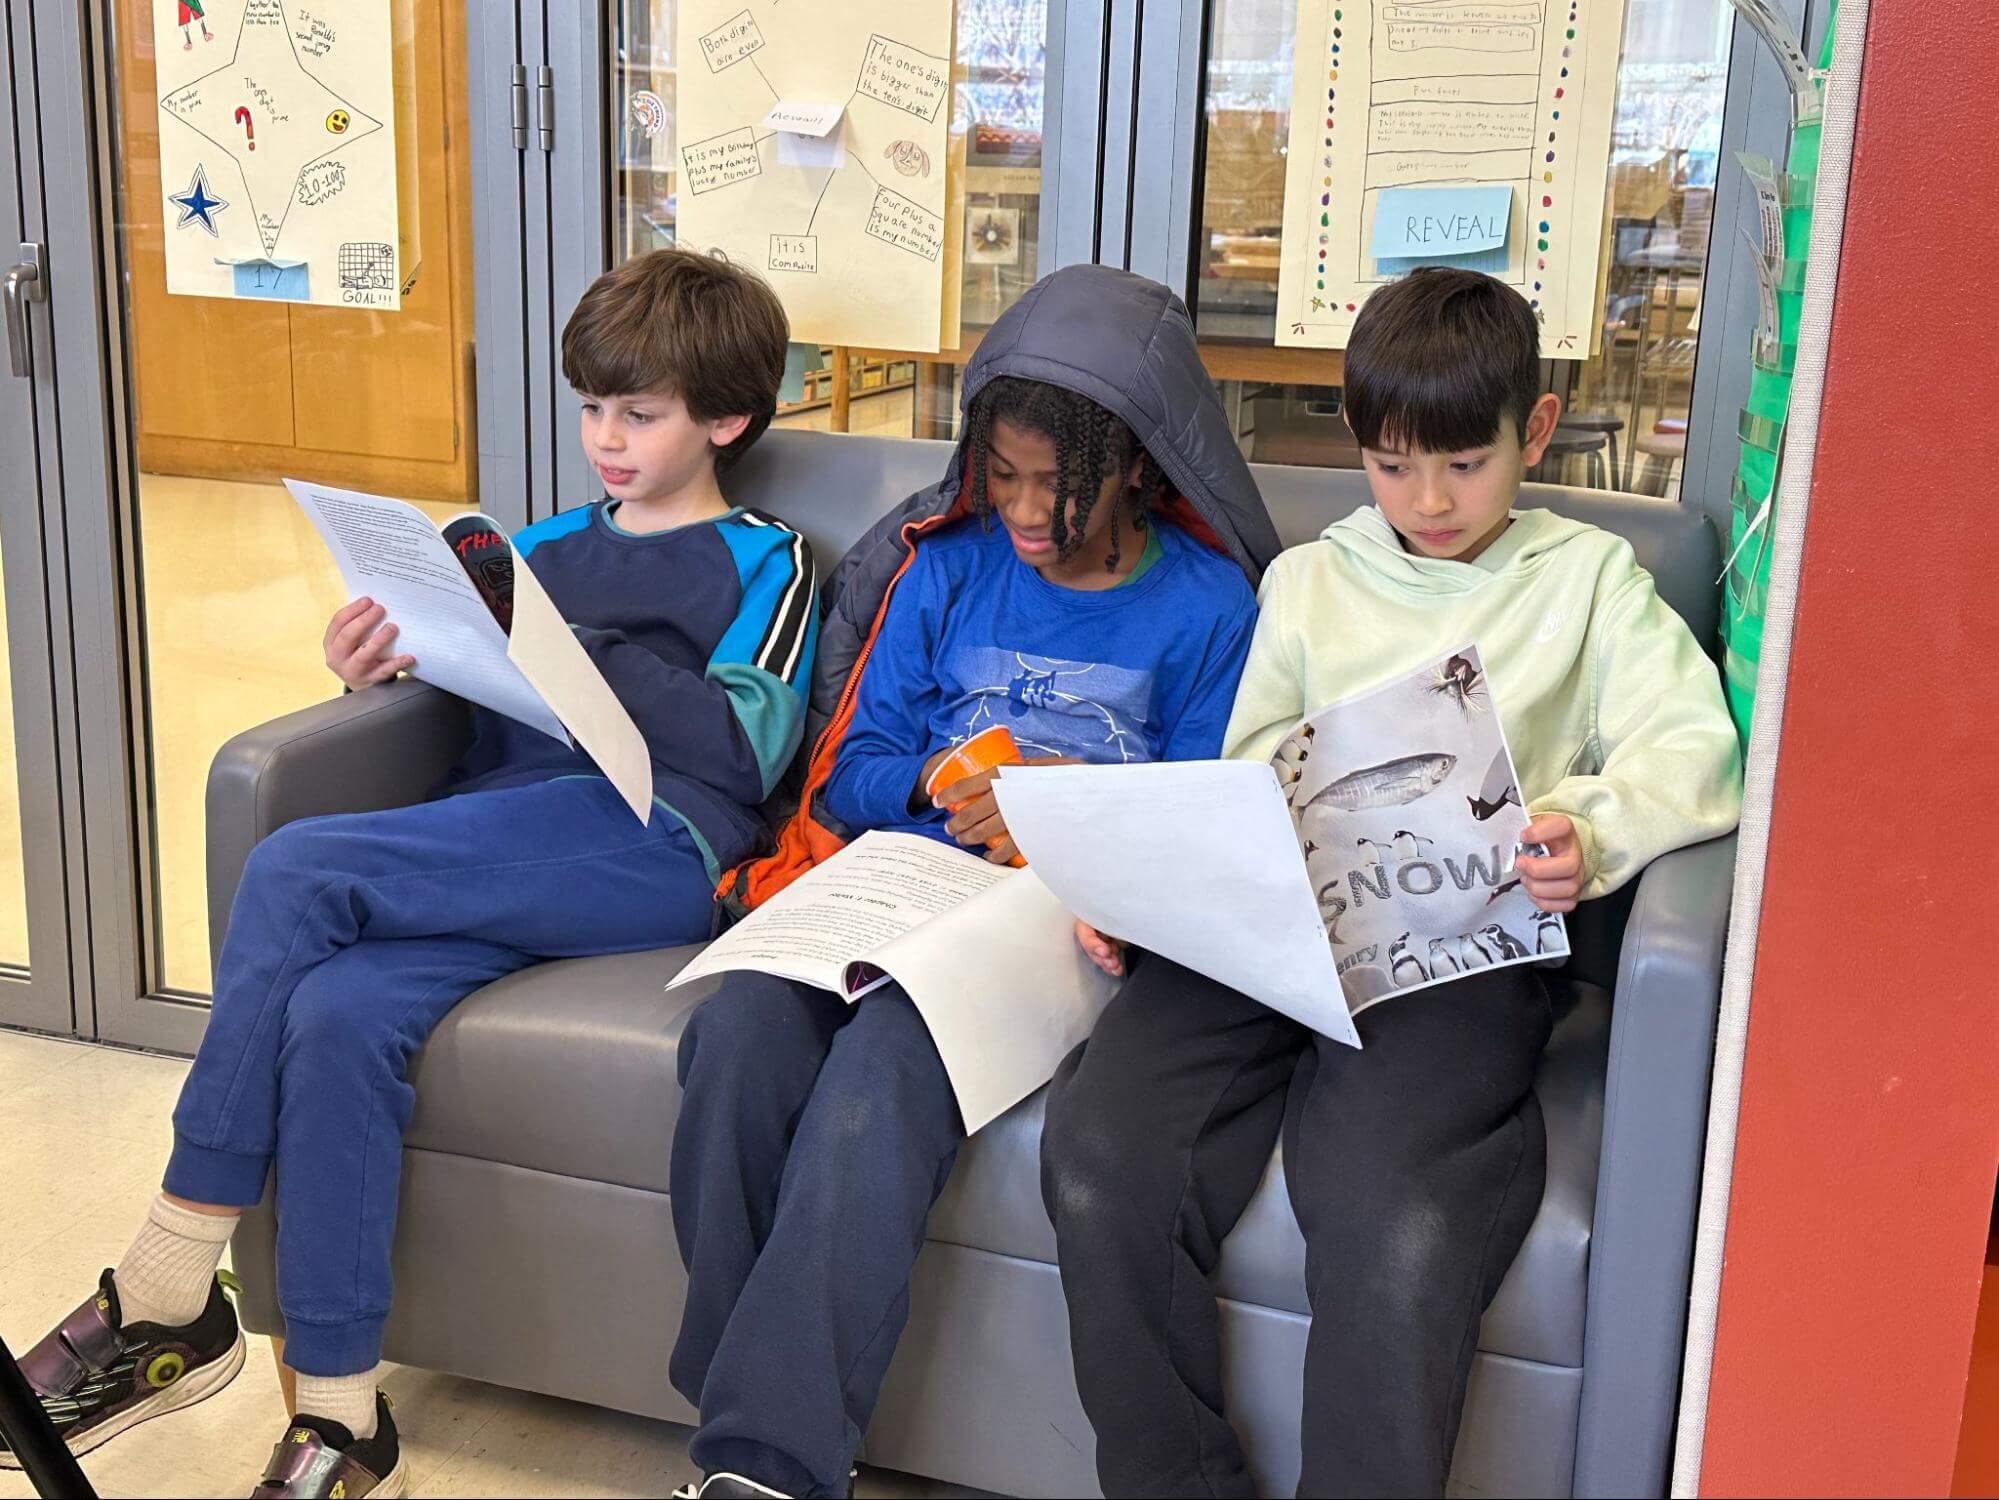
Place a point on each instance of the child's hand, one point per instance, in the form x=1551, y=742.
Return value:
x=360, y=645
x=977, y=820
x=1555, y=879
x=1107, y=953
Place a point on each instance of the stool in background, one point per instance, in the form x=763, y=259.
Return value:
x=1664, y=446
x=1567, y=443
x=1597, y=421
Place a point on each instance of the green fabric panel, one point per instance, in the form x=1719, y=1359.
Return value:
x=1748, y=581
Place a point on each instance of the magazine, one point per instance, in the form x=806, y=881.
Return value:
x=1372, y=857
x=479, y=624
x=984, y=951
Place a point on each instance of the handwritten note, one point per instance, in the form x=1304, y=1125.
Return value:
x=721, y=160
x=908, y=226
x=731, y=42
x=794, y=252
x=801, y=118
x=904, y=78
x=1471, y=133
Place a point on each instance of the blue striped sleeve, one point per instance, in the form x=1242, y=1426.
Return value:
x=764, y=659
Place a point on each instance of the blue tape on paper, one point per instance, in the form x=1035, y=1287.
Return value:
x=1442, y=226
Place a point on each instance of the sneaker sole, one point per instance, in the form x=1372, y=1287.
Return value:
x=192, y=1391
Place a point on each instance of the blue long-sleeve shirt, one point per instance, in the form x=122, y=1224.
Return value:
x=974, y=637
x=705, y=633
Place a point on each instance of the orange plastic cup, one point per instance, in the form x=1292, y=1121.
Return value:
x=987, y=750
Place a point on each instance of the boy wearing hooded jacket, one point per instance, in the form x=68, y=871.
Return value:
x=1083, y=577
x=1416, y=1164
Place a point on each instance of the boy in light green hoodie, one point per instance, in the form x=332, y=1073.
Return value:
x=1416, y=1164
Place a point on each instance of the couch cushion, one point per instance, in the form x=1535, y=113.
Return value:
x=569, y=1068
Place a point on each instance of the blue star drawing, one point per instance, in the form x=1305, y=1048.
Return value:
x=197, y=204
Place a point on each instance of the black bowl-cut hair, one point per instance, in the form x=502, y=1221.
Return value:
x=1438, y=360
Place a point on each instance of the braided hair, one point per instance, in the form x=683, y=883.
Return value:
x=1090, y=443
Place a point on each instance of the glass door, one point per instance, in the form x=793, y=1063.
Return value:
x=34, y=909
x=1629, y=401
x=281, y=220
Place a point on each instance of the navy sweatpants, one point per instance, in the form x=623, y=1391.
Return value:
x=813, y=1138
x=351, y=937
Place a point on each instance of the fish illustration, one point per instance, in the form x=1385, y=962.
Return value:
x=1394, y=783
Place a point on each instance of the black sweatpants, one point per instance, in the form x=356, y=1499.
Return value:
x=1415, y=1166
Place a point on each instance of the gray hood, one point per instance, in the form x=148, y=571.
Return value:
x=1126, y=343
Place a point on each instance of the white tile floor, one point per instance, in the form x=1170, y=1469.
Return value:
x=86, y=1135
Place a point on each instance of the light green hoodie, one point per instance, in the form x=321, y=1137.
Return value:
x=1614, y=714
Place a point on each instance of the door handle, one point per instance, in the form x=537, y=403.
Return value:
x=22, y=283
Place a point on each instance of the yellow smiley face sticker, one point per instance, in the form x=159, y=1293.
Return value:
x=337, y=122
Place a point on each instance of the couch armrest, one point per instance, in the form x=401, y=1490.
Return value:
x=382, y=747
x=1648, y=1184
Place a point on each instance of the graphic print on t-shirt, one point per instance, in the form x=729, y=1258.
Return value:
x=1090, y=710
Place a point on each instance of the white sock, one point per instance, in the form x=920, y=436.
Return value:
x=346, y=1399
x=165, y=1276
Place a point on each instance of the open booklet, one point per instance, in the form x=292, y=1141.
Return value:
x=1372, y=857
x=479, y=624
x=986, y=953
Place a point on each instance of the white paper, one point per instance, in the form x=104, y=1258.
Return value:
x=798, y=117
x=876, y=889
x=392, y=552
x=1195, y=860
x=1005, y=989
x=813, y=151
x=554, y=662
x=986, y=954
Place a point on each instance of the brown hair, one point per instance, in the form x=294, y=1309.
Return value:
x=709, y=332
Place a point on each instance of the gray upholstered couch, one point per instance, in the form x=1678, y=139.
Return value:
x=535, y=1243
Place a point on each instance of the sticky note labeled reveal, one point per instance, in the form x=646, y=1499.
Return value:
x=808, y=134
x=1441, y=226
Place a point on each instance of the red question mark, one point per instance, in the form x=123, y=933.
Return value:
x=243, y=119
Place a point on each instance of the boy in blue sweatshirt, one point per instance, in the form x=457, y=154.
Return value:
x=353, y=936
x=1042, y=587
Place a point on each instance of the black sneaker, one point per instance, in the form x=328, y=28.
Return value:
x=318, y=1459
x=97, y=1380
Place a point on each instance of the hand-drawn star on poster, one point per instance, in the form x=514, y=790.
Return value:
x=198, y=205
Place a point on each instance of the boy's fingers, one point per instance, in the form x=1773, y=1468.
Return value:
x=1003, y=852
x=356, y=630
x=1563, y=905
x=351, y=610
x=983, y=830
x=1550, y=866
x=963, y=791
x=975, y=812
